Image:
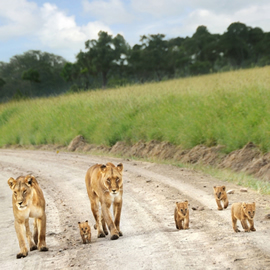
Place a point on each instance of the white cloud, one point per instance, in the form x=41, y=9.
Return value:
x=48, y=25
x=20, y=18
x=110, y=12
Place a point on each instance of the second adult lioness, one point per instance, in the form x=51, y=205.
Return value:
x=104, y=185
x=28, y=202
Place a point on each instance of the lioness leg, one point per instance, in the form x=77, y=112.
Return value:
x=103, y=224
x=108, y=219
x=41, y=226
x=219, y=205
x=251, y=222
x=95, y=211
x=20, y=231
x=117, y=207
x=35, y=236
x=29, y=236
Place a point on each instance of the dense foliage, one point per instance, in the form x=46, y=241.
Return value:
x=110, y=61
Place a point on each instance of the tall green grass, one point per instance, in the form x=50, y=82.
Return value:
x=229, y=108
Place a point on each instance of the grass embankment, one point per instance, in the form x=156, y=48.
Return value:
x=229, y=108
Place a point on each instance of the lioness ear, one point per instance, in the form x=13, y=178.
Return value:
x=11, y=182
x=224, y=188
x=120, y=167
x=103, y=168
x=29, y=180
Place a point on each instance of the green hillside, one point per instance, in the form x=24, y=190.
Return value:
x=229, y=108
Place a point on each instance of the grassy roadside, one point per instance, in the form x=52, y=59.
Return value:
x=229, y=108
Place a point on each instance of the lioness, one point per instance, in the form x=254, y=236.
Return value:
x=28, y=201
x=104, y=185
x=243, y=212
x=85, y=231
x=181, y=215
x=221, y=195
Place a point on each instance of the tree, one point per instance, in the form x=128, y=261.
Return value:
x=29, y=65
x=104, y=54
x=32, y=76
x=235, y=43
x=2, y=83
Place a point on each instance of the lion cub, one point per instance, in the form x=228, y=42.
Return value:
x=85, y=231
x=243, y=212
x=221, y=195
x=181, y=215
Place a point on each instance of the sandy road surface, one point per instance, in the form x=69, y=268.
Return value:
x=150, y=239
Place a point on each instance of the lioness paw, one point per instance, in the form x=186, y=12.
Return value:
x=33, y=248
x=21, y=255
x=114, y=237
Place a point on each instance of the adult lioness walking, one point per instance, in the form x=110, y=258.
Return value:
x=28, y=202
x=104, y=185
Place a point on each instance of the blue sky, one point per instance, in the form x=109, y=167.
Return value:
x=62, y=26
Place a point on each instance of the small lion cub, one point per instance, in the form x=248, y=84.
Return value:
x=181, y=215
x=221, y=195
x=85, y=231
x=243, y=212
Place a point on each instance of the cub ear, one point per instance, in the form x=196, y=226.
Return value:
x=86, y=221
x=224, y=188
x=103, y=168
x=186, y=201
x=79, y=222
x=214, y=187
x=11, y=182
x=120, y=167
x=244, y=205
x=29, y=179
x=254, y=204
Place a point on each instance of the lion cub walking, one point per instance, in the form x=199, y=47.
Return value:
x=243, y=212
x=85, y=231
x=221, y=195
x=181, y=215
x=28, y=201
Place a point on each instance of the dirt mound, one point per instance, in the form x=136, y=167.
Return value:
x=249, y=159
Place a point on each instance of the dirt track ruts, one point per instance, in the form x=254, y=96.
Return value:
x=150, y=239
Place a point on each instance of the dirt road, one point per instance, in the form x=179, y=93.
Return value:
x=150, y=239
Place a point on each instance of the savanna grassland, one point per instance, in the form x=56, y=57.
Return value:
x=230, y=109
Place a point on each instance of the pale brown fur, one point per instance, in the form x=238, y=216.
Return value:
x=85, y=231
x=104, y=185
x=221, y=195
x=28, y=202
x=243, y=212
x=181, y=215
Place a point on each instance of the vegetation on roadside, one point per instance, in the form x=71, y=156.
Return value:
x=230, y=109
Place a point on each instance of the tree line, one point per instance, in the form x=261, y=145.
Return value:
x=110, y=61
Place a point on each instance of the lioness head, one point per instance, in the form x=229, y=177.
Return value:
x=219, y=192
x=112, y=177
x=182, y=208
x=22, y=190
x=249, y=209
